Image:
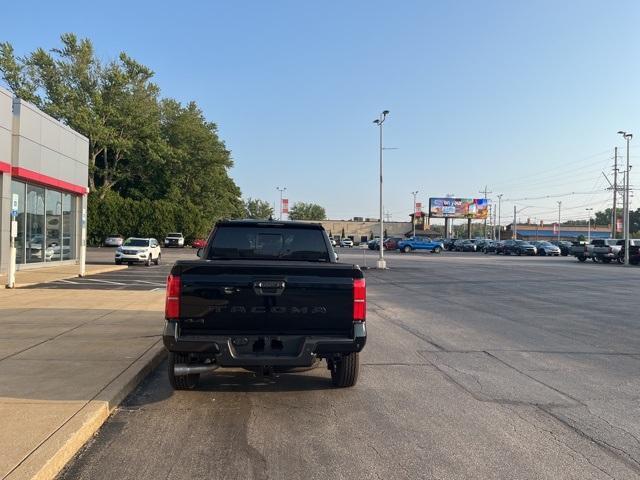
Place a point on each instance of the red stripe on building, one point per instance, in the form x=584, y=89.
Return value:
x=47, y=181
x=5, y=167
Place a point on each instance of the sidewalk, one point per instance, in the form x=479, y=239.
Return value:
x=67, y=358
x=24, y=278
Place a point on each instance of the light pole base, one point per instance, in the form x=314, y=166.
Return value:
x=382, y=264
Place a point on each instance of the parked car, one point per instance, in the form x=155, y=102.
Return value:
x=391, y=243
x=491, y=246
x=373, y=244
x=518, y=247
x=582, y=250
x=416, y=243
x=174, y=240
x=346, y=242
x=199, y=243
x=448, y=244
x=287, y=304
x=564, y=246
x=499, y=247
x=481, y=243
x=467, y=246
x=457, y=245
x=634, y=251
x=547, y=248
x=607, y=250
x=113, y=240
x=139, y=250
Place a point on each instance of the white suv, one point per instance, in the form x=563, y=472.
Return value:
x=174, y=240
x=139, y=250
x=346, y=242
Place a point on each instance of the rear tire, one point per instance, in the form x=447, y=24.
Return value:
x=118, y=262
x=344, y=372
x=582, y=259
x=181, y=382
x=406, y=249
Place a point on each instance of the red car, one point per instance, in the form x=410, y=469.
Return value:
x=199, y=243
x=391, y=243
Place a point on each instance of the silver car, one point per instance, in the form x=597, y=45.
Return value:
x=113, y=241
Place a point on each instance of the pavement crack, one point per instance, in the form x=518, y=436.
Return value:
x=561, y=442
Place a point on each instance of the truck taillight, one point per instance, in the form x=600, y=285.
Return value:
x=172, y=301
x=359, y=300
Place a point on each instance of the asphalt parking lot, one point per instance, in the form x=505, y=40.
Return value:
x=135, y=277
x=476, y=367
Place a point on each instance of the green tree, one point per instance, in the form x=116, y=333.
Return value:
x=307, y=211
x=142, y=149
x=258, y=209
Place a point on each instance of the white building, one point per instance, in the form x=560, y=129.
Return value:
x=44, y=169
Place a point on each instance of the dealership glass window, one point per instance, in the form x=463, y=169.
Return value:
x=68, y=227
x=18, y=188
x=53, y=203
x=35, y=225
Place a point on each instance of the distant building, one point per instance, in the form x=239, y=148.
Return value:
x=535, y=232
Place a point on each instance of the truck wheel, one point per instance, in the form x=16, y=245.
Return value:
x=344, y=372
x=118, y=262
x=582, y=259
x=406, y=249
x=157, y=260
x=181, y=382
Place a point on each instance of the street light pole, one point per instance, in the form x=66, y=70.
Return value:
x=559, y=207
x=589, y=225
x=499, y=219
x=414, y=211
x=280, y=190
x=515, y=225
x=381, y=262
x=627, y=137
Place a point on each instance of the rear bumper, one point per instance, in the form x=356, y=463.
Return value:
x=256, y=350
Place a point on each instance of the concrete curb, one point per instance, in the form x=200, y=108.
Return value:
x=50, y=457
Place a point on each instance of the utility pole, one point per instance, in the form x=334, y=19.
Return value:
x=414, y=211
x=499, y=219
x=614, y=213
x=515, y=226
x=627, y=137
x=485, y=192
x=559, y=209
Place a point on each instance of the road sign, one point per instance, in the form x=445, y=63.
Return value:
x=15, y=203
x=285, y=205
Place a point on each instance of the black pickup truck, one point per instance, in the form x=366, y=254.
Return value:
x=264, y=295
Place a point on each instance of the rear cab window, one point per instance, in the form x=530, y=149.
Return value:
x=238, y=242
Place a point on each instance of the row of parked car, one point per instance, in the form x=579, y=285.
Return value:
x=174, y=239
x=509, y=247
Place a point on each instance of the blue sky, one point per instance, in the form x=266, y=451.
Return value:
x=525, y=97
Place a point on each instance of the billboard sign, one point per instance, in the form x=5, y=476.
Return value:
x=285, y=205
x=473, y=208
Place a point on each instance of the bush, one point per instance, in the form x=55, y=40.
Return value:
x=114, y=214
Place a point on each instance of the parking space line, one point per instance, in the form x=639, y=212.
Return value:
x=104, y=281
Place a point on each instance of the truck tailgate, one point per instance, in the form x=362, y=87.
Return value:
x=247, y=297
